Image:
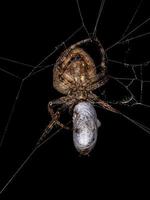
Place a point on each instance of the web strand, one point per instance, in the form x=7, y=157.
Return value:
x=9, y=73
x=81, y=17
x=39, y=64
x=98, y=18
x=40, y=68
x=16, y=62
x=128, y=34
x=135, y=122
x=146, y=63
x=137, y=37
x=32, y=72
x=132, y=18
x=139, y=78
x=138, y=124
x=11, y=114
x=128, y=26
x=27, y=159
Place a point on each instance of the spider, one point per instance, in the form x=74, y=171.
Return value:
x=75, y=76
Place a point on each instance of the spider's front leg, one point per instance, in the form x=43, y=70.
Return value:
x=56, y=116
x=55, y=120
x=48, y=129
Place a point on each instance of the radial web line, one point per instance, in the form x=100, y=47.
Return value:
x=120, y=78
x=135, y=122
x=27, y=159
x=31, y=66
x=142, y=104
x=81, y=17
x=99, y=15
x=42, y=69
x=128, y=64
x=132, y=18
x=141, y=84
x=22, y=83
x=16, y=62
x=9, y=73
x=57, y=47
x=138, y=124
x=137, y=37
x=11, y=114
x=133, y=30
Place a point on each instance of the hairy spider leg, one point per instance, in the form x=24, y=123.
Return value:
x=102, y=103
x=106, y=106
x=98, y=84
x=56, y=116
x=55, y=120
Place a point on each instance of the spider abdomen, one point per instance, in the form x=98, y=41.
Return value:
x=74, y=70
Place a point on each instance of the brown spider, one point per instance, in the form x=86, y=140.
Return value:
x=75, y=76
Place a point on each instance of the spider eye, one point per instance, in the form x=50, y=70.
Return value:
x=77, y=57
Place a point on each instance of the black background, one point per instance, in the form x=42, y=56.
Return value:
x=29, y=32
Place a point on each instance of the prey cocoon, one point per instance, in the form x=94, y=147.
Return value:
x=85, y=127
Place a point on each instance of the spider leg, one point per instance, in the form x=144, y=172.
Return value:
x=102, y=103
x=51, y=111
x=48, y=129
x=106, y=106
x=98, y=84
x=55, y=120
x=60, y=101
x=62, y=125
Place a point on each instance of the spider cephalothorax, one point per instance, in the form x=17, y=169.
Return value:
x=75, y=73
x=76, y=76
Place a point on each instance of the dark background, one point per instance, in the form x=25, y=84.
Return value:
x=29, y=32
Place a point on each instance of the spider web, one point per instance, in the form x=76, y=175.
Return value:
x=134, y=84
x=131, y=77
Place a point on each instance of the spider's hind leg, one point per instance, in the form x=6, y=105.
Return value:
x=102, y=103
x=106, y=106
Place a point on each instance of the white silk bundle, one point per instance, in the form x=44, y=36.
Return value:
x=85, y=127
